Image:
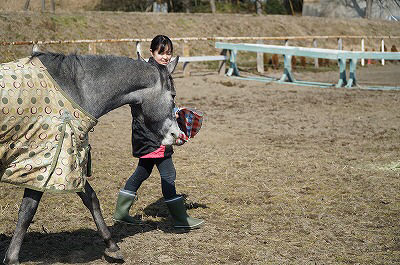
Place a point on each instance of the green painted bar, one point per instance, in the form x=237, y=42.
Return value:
x=289, y=51
x=308, y=52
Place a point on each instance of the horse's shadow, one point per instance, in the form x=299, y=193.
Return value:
x=85, y=245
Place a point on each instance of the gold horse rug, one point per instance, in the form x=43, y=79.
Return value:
x=43, y=133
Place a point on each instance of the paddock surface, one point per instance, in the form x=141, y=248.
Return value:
x=282, y=174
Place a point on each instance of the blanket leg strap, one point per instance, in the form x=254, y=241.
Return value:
x=59, y=147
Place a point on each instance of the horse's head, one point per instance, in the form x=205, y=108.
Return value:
x=157, y=105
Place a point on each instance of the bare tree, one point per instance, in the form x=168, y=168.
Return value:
x=26, y=6
x=149, y=5
x=367, y=12
x=368, y=9
x=258, y=7
x=186, y=5
x=212, y=4
x=356, y=6
x=52, y=4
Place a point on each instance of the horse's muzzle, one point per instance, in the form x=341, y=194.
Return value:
x=171, y=135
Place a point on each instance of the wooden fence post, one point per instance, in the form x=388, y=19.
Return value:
x=186, y=53
x=383, y=50
x=340, y=44
x=53, y=6
x=222, y=64
x=363, y=50
x=340, y=47
x=260, y=59
x=138, y=50
x=92, y=48
x=315, y=44
x=26, y=6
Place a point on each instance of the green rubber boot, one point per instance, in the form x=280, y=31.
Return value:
x=124, y=203
x=180, y=218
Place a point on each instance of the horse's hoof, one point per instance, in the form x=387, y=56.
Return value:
x=113, y=255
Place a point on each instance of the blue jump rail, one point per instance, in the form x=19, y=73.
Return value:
x=289, y=51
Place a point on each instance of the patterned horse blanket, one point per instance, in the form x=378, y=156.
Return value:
x=43, y=133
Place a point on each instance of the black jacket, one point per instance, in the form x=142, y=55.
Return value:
x=143, y=140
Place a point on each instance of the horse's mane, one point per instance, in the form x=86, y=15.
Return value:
x=74, y=61
x=70, y=60
x=71, y=56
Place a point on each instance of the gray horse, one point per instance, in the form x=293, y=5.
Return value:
x=97, y=84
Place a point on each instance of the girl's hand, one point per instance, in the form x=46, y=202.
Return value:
x=179, y=142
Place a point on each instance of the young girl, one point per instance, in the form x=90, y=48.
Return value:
x=150, y=152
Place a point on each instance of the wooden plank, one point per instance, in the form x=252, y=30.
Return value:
x=315, y=44
x=203, y=58
x=92, y=48
x=341, y=56
x=222, y=63
x=308, y=52
x=363, y=50
x=288, y=50
x=185, y=52
x=260, y=59
x=370, y=55
x=5, y=43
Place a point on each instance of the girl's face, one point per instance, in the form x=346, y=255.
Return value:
x=164, y=57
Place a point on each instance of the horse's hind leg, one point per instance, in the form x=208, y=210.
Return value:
x=91, y=201
x=26, y=212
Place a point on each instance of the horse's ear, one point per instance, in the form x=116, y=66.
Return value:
x=172, y=65
x=35, y=48
x=140, y=58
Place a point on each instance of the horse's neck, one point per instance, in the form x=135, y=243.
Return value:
x=91, y=82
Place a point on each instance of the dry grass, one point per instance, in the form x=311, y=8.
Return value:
x=21, y=26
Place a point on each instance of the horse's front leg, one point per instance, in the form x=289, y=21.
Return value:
x=91, y=201
x=26, y=212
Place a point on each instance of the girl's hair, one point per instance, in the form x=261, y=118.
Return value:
x=160, y=43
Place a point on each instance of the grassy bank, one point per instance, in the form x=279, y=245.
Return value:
x=34, y=26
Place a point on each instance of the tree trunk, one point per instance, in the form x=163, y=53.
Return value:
x=291, y=7
x=212, y=4
x=26, y=5
x=53, y=6
x=43, y=6
x=368, y=9
x=258, y=7
x=186, y=5
x=149, y=5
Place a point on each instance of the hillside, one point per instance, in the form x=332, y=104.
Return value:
x=27, y=26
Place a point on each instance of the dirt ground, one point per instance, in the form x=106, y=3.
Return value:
x=282, y=174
